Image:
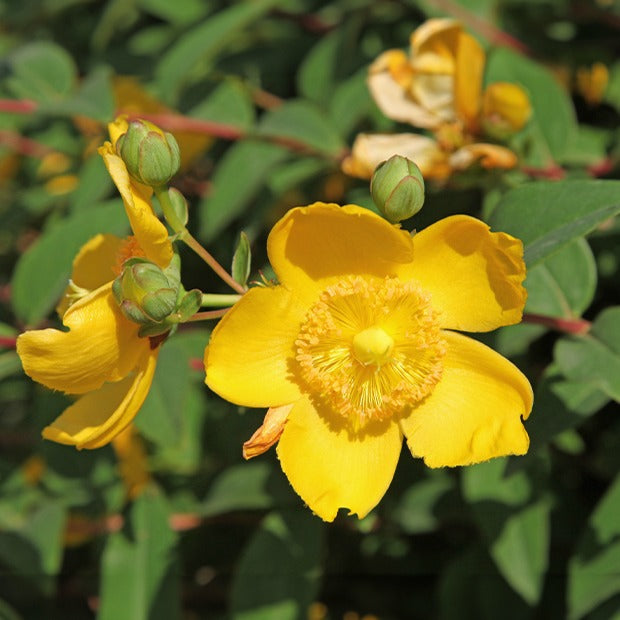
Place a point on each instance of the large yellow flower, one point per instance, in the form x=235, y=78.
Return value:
x=354, y=349
x=101, y=357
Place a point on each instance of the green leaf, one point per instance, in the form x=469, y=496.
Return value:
x=178, y=12
x=564, y=284
x=593, y=575
x=31, y=535
x=43, y=271
x=351, y=102
x=248, y=486
x=42, y=71
x=236, y=181
x=139, y=577
x=303, y=122
x=594, y=358
x=173, y=413
x=10, y=364
x=278, y=576
x=561, y=404
x=521, y=551
x=416, y=510
x=548, y=215
x=316, y=78
x=198, y=46
x=242, y=260
x=228, y=104
x=554, y=115
x=94, y=98
x=515, y=527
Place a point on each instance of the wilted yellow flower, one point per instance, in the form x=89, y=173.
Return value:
x=101, y=358
x=438, y=86
x=591, y=82
x=354, y=349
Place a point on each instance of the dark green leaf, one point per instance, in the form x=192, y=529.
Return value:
x=278, y=576
x=202, y=43
x=236, y=181
x=42, y=71
x=594, y=358
x=43, y=271
x=593, y=574
x=242, y=260
x=228, y=104
x=303, y=122
x=139, y=573
x=546, y=216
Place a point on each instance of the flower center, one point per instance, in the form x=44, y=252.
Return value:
x=373, y=346
x=370, y=348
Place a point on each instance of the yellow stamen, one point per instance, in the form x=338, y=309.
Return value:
x=370, y=348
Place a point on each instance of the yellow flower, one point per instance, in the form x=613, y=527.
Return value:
x=354, y=349
x=439, y=87
x=435, y=162
x=101, y=357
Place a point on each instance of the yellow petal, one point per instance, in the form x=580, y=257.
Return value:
x=132, y=461
x=489, y=156
x=311, y=246
x=474, y=276
x=151, y=234
x=251, y=351
x=96, y=418
x=474, y=413
x=369, y=150
x=102, y=345
x=393, y=100
x=95, y=263
x=470, y=59
x=331, y=468
x=506, y=104
x=436, y=36
x=268, y=433
x=117, y=128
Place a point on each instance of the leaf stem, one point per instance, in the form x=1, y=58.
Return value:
x=214, y=300
x=568, y=326
x=208, y=316
x=187, y=238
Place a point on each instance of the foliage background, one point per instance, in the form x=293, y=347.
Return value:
x=277, y=92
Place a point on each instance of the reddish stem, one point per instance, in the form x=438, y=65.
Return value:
x=177, y=122
x=18, y=106
x=24, y=146
x=569, y=326
x=602, y=167
x=8, y=342
x=552, y=172
x=490, y=32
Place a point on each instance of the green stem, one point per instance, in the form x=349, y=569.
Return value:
x=184, y=235
x=166, y=206
x=214, y=300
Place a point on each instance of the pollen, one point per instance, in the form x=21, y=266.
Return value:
x=130, y=248
x=370, y=348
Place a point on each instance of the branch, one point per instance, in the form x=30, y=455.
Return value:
x=487, y=30
x=568, y=326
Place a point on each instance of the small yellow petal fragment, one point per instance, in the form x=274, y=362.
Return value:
x=268, y=433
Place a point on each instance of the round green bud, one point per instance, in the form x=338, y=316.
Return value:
x=397, y=188
x=151, y=155
x=144, y=293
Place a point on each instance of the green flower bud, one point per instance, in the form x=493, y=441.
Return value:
x=151, y=155
x=397, y=188
x=144, y=292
